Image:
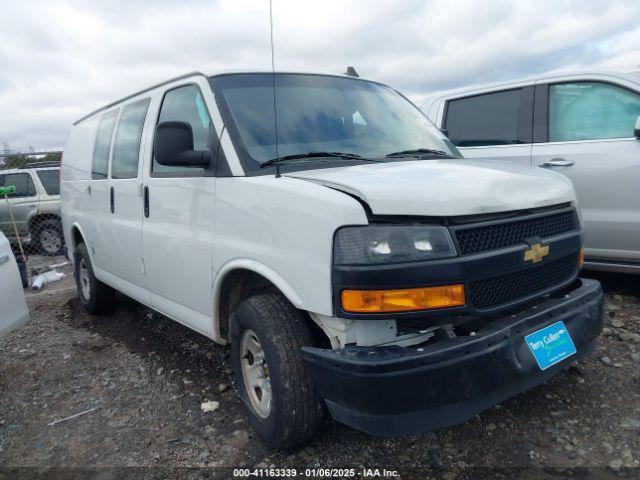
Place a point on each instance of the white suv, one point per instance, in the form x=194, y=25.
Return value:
x=584, y=125
x=328, y=231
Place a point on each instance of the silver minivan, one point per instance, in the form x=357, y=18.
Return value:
x=584, y=125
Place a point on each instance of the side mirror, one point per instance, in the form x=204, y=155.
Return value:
x=173, y=146
x=636, y=131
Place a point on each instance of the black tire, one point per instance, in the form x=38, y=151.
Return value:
x=296, y=411
x=49, y=237
x=98, y=298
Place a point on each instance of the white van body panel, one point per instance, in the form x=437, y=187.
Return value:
x=455, y=187
x=13, y=308
x=74, y=181
x=287, y=225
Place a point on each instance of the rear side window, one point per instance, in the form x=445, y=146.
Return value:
x=185, y=104
x=126, y=146
x=590, y=111
x=490, y=119
x=50, y=180
x=100, y=166
x=23, y=183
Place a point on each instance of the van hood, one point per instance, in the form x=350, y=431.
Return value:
x=445, y=187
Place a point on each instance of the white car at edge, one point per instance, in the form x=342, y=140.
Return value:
x=13, y=307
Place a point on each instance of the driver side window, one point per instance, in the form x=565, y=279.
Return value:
x=185, y=104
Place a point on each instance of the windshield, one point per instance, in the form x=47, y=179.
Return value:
x=317, y=113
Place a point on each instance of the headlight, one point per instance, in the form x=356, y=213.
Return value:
x=374, y=244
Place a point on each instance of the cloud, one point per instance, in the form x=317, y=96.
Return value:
x=61, y=59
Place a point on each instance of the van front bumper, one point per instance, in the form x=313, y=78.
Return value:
x=394, y=390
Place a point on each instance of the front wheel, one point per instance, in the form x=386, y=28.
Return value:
x=267, y=334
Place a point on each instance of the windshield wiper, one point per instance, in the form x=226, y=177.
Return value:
x=298, y=156
x=419, y=151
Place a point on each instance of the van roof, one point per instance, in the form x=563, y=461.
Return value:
x=209, y=74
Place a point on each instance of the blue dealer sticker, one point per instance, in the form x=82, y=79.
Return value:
x=550, y=345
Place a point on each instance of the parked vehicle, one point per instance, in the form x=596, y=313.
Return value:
x=584, y=125
x=35, y=206
x=348, y=255
x=13, y=308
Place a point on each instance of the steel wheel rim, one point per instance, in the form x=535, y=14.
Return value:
x=85, y=279
x=50, y=240
x=255, y=373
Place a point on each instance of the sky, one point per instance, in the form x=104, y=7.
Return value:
x=60, y=59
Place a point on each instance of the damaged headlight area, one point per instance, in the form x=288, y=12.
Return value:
x=377, y=244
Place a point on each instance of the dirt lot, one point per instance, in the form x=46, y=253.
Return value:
x=146, y=377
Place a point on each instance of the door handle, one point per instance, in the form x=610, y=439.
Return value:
x=112, y=199
x=89, y=189
x=146, y=201
x=4, y=259
x=557, y=162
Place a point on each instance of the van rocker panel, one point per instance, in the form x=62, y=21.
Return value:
x=394, y=390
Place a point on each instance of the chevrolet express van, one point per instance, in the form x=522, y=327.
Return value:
x=322, y=226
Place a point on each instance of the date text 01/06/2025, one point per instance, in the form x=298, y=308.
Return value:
x=315, y=473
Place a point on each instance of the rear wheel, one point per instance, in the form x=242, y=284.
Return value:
x=267, y=334
x=95, y=296
x=49, y=237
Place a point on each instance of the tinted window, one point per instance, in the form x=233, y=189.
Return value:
x=185, y=104
x=590, y=110
x=23, y=183
x=126, y=147
x=100, y=166
x=318, y=113
x=490, y=119
x=50, y=180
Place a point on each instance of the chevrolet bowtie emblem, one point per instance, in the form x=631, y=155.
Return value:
x=536, y=253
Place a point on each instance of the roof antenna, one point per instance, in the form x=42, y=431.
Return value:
x=273, y=79
x=351, y=72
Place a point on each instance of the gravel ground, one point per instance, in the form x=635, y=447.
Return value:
x=143, y=378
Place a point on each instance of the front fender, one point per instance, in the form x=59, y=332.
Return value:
x=254, y=266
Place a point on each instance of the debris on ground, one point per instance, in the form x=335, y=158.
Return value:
x=209, y=406
x=39, y=281
x=71, y=417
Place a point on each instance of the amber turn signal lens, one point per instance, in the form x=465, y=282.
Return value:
x=380, y=301
x=581, y=257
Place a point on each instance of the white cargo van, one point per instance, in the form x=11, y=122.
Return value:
x=339, y=243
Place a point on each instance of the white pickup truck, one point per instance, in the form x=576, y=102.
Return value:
x=329, y=232
x=13, y=308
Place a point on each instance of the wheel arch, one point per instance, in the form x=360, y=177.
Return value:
x=239, y=279
x=76, y=235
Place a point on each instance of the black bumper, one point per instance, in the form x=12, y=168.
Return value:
x=403, y=390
